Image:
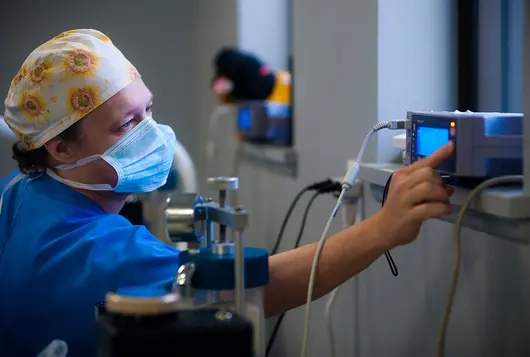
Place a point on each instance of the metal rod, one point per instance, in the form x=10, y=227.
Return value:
x=239, y=272
x=210, y=233
x=222, y=204
x=222, y=198
x=222, y=233
x=204, y=232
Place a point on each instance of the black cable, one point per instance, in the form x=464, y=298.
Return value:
x=286, y=219
x=390, y=260
x=304, y=218
x=322, y=186
x=296, y=244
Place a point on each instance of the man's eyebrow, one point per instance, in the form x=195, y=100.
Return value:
x=130, y=111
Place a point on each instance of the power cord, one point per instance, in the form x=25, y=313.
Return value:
x=347, y=183
x=388, y=256
x=457, y=253
x=331, y=302
x=296, y=245
x=322, y=187
x=286, y=219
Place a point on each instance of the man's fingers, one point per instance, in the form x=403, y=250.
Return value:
x=429, y=210
x=427, y=192
x=423, y=174
x=436, y=158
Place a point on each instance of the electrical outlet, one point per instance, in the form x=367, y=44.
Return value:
x=400, y=141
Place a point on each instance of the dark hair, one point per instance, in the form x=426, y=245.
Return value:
x=30, y=161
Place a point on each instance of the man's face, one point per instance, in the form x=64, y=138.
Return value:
x=105, y=126
x=222, y=87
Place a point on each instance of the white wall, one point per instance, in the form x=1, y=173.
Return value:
x=214, y=25
x=337, y=99
x=417, y=62
x=255, y=33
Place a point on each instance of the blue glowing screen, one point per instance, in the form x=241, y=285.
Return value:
x=429, y=140
x=244, y=120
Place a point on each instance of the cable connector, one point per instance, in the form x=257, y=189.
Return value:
x=317, y=186
x=399, y=124
x=351, y=176
x=332, y=187
x=325, y=186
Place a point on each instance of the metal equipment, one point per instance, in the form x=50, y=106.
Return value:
x=215, y=304
x=486, y=144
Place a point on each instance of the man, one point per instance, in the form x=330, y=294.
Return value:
x=87, y=140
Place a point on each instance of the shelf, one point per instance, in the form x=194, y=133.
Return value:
x=281, y=160
x=499, y=211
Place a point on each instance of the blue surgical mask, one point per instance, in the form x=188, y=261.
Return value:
x=142, y=159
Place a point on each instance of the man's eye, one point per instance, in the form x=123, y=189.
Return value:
x=149, y=108
x=126, y=125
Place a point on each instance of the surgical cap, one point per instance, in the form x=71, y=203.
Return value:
x=62, y=81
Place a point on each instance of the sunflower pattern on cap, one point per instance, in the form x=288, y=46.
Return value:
x=62, y=81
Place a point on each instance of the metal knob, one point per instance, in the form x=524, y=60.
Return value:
x=223, y=183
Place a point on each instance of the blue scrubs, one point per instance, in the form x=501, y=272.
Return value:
x=59, y=255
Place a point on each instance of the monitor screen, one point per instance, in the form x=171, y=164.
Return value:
x=429, y=139
x=244, y=119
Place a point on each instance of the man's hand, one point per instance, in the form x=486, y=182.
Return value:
x=416, y=194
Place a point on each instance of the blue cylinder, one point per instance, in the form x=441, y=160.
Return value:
x=216, y=272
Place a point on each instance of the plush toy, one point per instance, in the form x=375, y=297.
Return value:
x=241, y=76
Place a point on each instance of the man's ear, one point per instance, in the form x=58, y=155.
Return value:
x=60, y=151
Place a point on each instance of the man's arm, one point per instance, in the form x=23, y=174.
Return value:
x=416, y=194
x=345, y=254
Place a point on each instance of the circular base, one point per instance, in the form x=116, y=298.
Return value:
x=216, y=272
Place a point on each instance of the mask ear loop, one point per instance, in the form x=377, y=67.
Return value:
x=86, y=186
x=78, y=163
x=78, y=185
